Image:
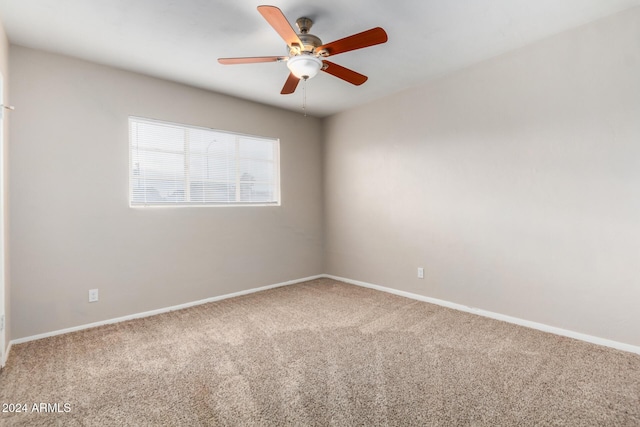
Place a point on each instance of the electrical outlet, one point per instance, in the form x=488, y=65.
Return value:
x=93, y=295
x=420, y=273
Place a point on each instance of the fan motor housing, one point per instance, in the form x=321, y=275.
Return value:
x=309, y=43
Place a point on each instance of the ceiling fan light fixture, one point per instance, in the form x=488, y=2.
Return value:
x=306, y=50
x=304, y=66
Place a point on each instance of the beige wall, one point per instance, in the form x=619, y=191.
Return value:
x=515, y=183
x=4, y=68
x=72, y=228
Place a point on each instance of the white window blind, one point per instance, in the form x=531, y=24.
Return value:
x=172, y=164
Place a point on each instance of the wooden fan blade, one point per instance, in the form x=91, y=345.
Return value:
x=344, y=73
x=290, y=85
x=251, y=60
x=278, y=21
x=367, y=38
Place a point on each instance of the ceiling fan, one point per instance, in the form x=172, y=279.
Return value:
x=306, y=51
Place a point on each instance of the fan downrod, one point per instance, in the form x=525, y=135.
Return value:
x=304, y=25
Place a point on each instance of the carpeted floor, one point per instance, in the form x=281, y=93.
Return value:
x=319, y=353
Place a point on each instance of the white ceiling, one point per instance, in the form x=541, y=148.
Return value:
x=180, y=40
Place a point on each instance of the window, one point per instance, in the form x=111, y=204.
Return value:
x=178, y=165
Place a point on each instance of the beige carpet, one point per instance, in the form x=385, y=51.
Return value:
x=320, y=353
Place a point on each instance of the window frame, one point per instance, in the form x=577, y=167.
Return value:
x=277, y=195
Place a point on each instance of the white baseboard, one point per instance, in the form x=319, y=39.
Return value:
x=527, y=323
x=6, y=355
x=158, y=311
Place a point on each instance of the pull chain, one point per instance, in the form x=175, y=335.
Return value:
x=304, y=96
